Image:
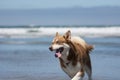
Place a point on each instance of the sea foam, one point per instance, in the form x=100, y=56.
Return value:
x=51, y=31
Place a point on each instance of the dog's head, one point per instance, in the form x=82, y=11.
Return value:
x=59, y=44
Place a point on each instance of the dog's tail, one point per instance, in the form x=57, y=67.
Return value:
x=89, y=48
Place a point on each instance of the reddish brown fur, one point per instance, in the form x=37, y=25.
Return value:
x=62, y=63
x=77, y=52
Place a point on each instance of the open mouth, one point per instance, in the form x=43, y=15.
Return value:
x=58, y=52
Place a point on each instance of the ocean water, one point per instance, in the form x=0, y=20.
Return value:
x=24, y=53
x=37, y=31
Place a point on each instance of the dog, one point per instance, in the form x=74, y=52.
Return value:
x=73, y=54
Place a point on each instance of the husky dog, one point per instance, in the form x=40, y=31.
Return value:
x=73, y=54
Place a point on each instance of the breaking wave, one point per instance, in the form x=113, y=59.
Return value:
x=50, y=31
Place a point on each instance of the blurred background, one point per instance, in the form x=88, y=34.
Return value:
x=27, y=28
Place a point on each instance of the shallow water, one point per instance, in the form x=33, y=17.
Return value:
x=30, y=59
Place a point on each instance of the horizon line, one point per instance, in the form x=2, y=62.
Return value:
x=56, y=7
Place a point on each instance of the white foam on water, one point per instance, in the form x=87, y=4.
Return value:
x=50, y=31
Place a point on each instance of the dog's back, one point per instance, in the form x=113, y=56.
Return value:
x=73, y=53
x=79, y=58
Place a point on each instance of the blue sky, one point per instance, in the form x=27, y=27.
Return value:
x=35, y=4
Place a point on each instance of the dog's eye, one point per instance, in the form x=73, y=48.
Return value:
x=57, y=42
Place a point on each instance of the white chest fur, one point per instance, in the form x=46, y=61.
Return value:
x=71, y=70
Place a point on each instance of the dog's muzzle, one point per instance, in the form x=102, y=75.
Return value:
x=57, y=51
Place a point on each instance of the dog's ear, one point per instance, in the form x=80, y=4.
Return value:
x=67, y=35
x=57, y=34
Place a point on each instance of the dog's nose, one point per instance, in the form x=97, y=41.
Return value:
x=50, y=48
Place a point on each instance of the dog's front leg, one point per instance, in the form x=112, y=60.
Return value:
x=78, y=76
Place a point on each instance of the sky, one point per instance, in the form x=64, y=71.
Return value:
x=9, y=15
x=37, y=4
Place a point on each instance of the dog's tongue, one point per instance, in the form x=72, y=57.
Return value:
x=58, y=54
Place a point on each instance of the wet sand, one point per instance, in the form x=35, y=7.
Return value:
x=32, y=60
